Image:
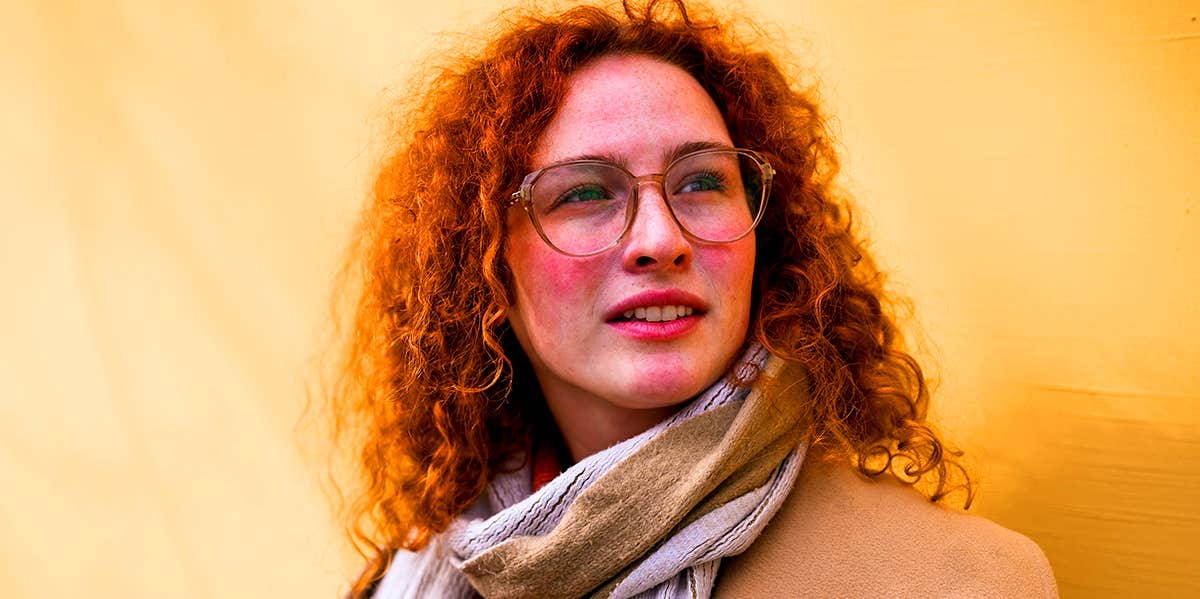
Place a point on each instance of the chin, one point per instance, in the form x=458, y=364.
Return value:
x=669, y=386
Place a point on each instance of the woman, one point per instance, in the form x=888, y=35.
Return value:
x=616, y=336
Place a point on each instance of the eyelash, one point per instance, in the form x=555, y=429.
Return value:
x=718, y=178
x=562, y=199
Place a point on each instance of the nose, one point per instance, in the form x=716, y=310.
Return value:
x=655, y=240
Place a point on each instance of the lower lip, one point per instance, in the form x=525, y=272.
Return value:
x=656, y=331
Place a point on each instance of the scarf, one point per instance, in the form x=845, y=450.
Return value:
x=651, y=516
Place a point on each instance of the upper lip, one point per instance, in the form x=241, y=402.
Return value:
x=656, y=297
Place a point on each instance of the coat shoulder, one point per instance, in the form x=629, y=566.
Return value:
x=839, y=533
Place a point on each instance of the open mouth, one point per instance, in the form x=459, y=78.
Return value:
x=655, y=313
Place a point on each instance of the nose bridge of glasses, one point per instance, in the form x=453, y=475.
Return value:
x=655, y=181
x=664, y=211
x=651, y=178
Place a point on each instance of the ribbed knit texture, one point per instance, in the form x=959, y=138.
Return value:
x=649, y=517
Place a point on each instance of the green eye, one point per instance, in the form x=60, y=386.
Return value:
x=703, y=181
x=583, y=193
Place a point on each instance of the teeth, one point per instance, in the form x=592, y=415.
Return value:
x=659, y=313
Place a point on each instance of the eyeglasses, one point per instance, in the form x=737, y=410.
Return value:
x=584, y=207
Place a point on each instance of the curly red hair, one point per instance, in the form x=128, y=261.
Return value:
x=432, y=393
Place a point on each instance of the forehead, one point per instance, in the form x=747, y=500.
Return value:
x=631, y=107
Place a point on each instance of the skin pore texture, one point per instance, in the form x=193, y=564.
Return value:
x=606, y=379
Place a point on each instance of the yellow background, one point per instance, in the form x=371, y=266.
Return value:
x=177, y=180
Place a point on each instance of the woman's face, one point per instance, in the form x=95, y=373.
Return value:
x=568, y=312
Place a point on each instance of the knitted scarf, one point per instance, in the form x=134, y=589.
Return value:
x=649, y=517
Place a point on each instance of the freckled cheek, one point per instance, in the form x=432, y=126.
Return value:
x=731, y=266
x=554, y=286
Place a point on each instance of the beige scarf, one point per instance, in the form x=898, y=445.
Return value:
x=651, y=516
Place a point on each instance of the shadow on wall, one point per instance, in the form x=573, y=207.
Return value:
x=1106, y=483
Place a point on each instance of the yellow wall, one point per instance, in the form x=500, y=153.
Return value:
x=177, y=179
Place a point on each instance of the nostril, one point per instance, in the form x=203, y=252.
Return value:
x=645, y=261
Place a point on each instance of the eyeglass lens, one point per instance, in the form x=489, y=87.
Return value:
x=584, y=207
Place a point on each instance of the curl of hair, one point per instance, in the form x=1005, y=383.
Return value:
x=431, y=391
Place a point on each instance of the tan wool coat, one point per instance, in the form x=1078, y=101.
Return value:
x=840, y=534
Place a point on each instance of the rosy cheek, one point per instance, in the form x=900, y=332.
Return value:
x=729, y=263
x=555, y=285
x=733, y=230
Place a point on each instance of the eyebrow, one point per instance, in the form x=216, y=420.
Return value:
x=673, y=154
x=670, y=155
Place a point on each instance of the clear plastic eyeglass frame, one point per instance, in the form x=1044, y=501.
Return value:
x=524, y=196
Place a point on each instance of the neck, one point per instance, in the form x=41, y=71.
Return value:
x=590, y=424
